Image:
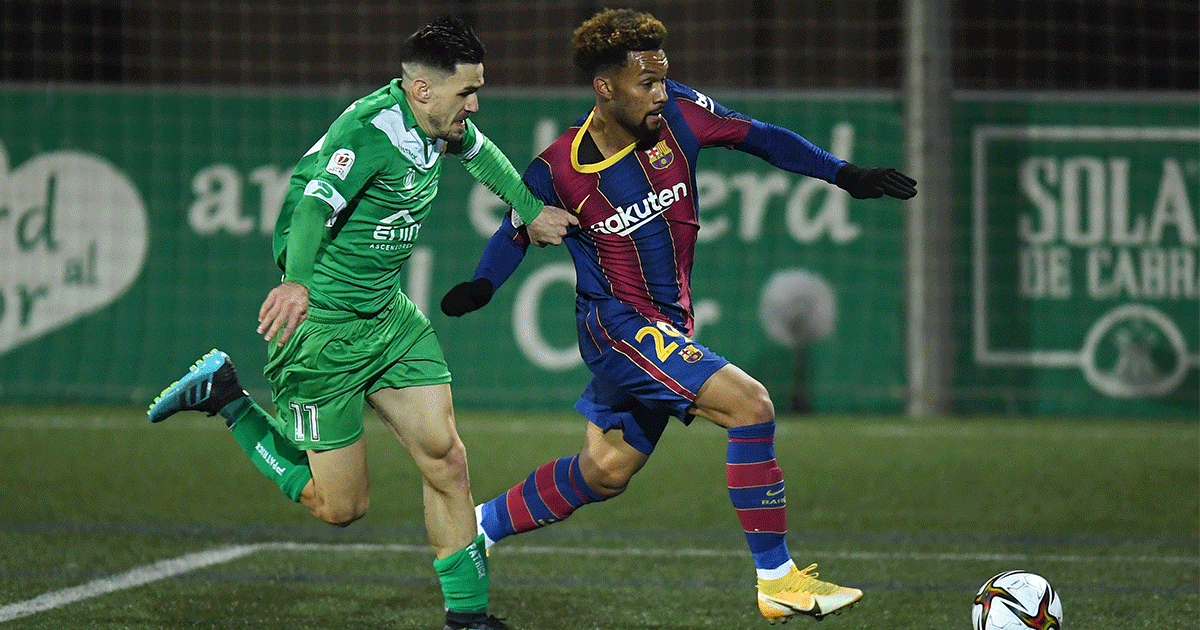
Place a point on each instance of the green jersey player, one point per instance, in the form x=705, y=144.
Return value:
x=342, y=330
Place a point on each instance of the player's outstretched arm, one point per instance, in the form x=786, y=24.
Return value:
x=788, y=150
x=871, y=183
x=490, y=167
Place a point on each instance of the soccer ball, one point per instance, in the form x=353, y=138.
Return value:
x=1016, y=600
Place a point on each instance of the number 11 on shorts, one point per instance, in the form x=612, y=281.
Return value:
x=300, y=411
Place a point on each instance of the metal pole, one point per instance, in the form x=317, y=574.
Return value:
x=928, y=107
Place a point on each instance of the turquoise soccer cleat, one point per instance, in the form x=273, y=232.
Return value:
x=208, y=386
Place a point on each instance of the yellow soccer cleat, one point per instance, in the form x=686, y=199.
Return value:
x=801, y=593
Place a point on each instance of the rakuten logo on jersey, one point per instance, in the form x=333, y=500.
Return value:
x=634, y=216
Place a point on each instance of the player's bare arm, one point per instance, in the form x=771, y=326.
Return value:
x=550, y=226
x=285, y=307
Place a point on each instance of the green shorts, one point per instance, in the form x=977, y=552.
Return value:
x=322, y=375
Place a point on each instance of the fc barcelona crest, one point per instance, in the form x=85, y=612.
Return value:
x=660, y=155
x=691, y=353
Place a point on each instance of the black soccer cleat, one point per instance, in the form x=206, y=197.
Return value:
x=481, y=621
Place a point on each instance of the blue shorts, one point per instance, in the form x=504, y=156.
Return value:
x=643, y=372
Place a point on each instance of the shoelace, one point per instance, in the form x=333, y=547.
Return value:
x=806, y=580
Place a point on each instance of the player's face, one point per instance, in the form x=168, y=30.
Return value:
x=639, y=95
x=452, y=100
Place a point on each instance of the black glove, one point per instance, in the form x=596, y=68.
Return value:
x=870, y=183
x=467, y=296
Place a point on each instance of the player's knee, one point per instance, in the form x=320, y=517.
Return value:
x=343, y=513
x=757, y=407
x=447, y=467
x=608, y=481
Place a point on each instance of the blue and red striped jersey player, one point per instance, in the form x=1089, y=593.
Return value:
x=627, y=170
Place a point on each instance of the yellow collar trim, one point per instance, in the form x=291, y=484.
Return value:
x=599, y=166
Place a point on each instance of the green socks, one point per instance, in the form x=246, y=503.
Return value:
x=464, y=577
x=274, y=456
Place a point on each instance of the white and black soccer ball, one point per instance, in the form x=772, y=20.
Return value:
x=1017, y=600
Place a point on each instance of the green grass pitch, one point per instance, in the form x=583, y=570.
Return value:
x=109, y=522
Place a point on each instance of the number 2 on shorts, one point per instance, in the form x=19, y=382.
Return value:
x=661, y=347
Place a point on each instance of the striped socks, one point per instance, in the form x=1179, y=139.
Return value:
x=756, y=490
x=550, y=494
x=554, y=491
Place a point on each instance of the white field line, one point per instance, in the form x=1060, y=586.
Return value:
x=190, y=562
x=738, y=553
x=137, y=577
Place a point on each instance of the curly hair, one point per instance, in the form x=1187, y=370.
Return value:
x=605, y=39
x=443, y=43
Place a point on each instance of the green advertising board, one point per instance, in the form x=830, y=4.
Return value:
x=1083, y=256
x=135, y=235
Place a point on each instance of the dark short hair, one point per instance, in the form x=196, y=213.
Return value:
x=443, y=43
x=606, y=39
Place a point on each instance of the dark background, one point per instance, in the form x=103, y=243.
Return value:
x=1016, y=45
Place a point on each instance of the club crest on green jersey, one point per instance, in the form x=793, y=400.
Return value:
x=340, y=163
